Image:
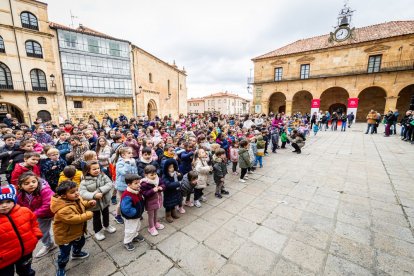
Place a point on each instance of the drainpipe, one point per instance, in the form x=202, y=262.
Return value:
x=134, y=94
x=20, y=64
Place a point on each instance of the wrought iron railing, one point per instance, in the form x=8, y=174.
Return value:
x=391, y=66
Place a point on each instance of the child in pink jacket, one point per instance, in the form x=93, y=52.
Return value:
x=234, y=156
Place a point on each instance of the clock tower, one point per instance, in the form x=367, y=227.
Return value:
x=343, y=30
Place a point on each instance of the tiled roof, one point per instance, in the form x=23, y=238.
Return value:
x=224, y=94
x=195, y=100
x=84, y=30
x=364, y=34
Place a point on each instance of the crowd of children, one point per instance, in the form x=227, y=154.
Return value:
x=57, y=177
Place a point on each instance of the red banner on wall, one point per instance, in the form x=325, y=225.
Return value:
x=316, y=103
x=353, y=103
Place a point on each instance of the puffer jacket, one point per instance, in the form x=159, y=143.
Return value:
x=19, y=232
x=100, y=184
x=77, y=178
x=372, y=118
x=132, y=204
x=203, y=170
x=70, y=219
x=38, y=204
x=104, y=156
x=123, y=168
x=19, y=169
x=186, y=159
x=219, y=169
x=185, y=186
x=234, y=154
x=153, y=200
x=244, y=159
x=63, y=147
x=52, y=175
x=172, y=192
x=142, y=163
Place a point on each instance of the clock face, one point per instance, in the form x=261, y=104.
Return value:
x=341, y=34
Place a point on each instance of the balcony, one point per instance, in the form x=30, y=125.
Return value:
x=21, y=86
x=392, y=66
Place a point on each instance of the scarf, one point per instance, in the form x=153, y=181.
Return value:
x=132, y=191
x=145, y=161
x=154, y=182
x=169, y=155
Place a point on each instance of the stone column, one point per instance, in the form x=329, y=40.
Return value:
x=288, y=107
x=390, y=103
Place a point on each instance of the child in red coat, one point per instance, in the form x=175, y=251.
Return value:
x=19, y=233
x=31, y=160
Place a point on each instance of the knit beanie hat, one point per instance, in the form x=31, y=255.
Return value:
x=8, y=193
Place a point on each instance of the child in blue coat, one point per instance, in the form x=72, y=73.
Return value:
x=172, y=193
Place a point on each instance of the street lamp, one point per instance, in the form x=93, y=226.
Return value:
x=139, y=89
x=52, y=79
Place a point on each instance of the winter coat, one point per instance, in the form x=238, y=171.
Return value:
x=104, y=156
x=5, y=157
x=252, y=151
x=275, y=136
x=91, y=185
x=372, y=118
x=244, y=159
x=63, y=147
x=52, y=175
x=153, y=200
x=77, y=178
x=19, y=169
x=44, y=138
x=261, y=144
x=70, y=219
x=172, y=191
x=186, y=159
x=132, y=205
x=186, y=187
x=19, y=232
x=123, y=168
x=142, y=163
x=203, y=170
x=219, y=169
x=234, y=154
x=38, y=204
x=17, y=156
x=298, y=140
x=283, y=137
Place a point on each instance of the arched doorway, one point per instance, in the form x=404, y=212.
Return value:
x=302, y=102
x=11, y=109
x=45, y=115
x=277, y=103
x=152, y=109
x=405, y=100
x=334, y=99
x=370, y=98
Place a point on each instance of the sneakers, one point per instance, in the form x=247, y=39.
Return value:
x=153, y=231
x=250, y=172
x=197, y=203
x=203, y=199
x=246, y=178
x=110, y=229
x=224, y=192
x=181, y=210
x=235, y=173
x=61, y=272
x=218, y=195
x=114, y=201
x=138, y=238
x=242, y=180
x=119, y=219
x=80, y=255
x=189, y=204
x=100, y=235
x=129, y=246
x=44, y=250
x=159, y=226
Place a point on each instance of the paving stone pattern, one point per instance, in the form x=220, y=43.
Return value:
x=343, y=207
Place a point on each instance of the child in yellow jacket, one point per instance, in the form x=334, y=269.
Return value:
x=72, y=174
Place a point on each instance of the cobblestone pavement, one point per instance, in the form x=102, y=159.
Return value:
x=343, y=207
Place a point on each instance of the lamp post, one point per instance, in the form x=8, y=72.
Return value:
x=52, y=80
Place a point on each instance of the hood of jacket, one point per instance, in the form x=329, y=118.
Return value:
x=167, y=163
x=243, y=150
x=58, y=203
x=260, y=138
x=217, y=159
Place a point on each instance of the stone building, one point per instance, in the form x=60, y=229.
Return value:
x=196, y=106
x=30, y=82
x=222, y=102
x=371, y=66
x=160, y=88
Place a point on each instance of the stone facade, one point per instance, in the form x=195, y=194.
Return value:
x=160, y=88
x=196, y=105
x=339, y=71
x=28, y=93
x=222, y=102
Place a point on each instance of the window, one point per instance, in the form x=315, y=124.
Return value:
x=114, y=49
x=93, y=45
x=374, y=64
x=33, y=49
x=69, y=40
x=38, y=79
x=41, y=100
x=5, y=77
x=2, y=49
x=150, y=77
x=29, y=21
x=278, y=73
x=304, y=71
x=77, y=104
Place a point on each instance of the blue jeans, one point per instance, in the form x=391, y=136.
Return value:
x=370, y=126
x=260, y=159
x=343, y=126
x=65, y=249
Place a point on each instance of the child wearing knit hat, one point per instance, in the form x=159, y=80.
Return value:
x=19, y=233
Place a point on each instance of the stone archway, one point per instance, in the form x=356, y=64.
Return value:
x=277, y=103
x=405, y=100
x=152, y=110
x=302, y=101
x=370, y=98
x=335, y=98
x=45, y=115
x=12, y=109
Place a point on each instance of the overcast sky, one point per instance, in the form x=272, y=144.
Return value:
x=215, y=40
